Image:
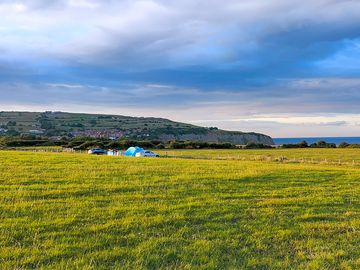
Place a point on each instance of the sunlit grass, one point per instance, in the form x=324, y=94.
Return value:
x=309, y=155
x=76, y=211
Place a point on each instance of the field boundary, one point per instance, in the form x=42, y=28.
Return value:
x=280, y=159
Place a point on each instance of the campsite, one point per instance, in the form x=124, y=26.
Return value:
x=133, y=151
x=204, y=209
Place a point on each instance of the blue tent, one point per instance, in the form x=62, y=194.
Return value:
x=132, y=151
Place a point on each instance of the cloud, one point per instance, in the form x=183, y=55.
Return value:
x=162, y=34
x=335, y=123
x=306, y=97
x=190, y=59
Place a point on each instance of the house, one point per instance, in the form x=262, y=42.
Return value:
x=36, y=132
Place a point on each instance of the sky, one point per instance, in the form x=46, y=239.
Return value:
x=286, y=68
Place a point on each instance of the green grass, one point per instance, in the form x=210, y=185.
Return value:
x=315, y=155
x=76, y=211
x=37, y=148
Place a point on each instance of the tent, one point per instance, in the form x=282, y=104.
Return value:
x=132, y=151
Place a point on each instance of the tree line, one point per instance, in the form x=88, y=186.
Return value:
x=320, y=144
x=85, y=143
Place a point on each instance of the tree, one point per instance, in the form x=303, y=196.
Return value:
x=12, y=132
x=344, y=145
x=93, y=122
x=323, y=144
x=46, y=124
x=11, y=124
x=253, y=145
x=303, y=144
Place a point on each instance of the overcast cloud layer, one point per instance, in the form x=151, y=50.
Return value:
x=282, y=67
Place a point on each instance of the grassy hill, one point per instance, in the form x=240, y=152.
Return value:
x=117, y=126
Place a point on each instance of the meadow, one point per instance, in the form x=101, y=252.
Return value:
x=333, y=156
x=77, y=211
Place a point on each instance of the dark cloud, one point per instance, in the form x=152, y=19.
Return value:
x=242, y=57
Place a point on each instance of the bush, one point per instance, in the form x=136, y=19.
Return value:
x=160, y=146
x=24, y=143
x=198, y=145
x=12, y=132
x=252, y=145
x=344, y=145
x=45, y=124
x=176, y=145
x=89, y=144
x=11, y=124
x=323, y=144
x=355, y=145
x=302, y=144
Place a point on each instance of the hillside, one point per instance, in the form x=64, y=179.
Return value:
x=51, y=124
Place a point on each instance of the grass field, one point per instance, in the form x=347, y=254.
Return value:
x=76, y=211
x=310, y=155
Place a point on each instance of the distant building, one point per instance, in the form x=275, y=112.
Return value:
x=110, y=134
x=36, y=131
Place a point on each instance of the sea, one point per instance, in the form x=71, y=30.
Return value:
x=309, y=140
